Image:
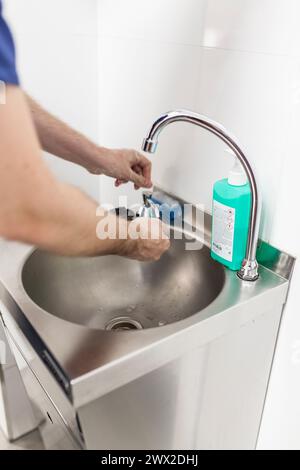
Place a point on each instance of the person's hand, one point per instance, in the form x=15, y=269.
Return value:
x=126, y=165
x=147, y=240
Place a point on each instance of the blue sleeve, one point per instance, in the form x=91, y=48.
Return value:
x=8, y=73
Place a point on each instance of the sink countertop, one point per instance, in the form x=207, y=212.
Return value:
x=96, y=361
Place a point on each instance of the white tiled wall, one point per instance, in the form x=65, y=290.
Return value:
x=238, y=62
x=57, y=57
x=203, y=55
x=260, y=26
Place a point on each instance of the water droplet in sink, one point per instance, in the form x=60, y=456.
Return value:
x=131, y=308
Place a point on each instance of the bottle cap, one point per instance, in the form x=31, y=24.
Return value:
x=237, y=175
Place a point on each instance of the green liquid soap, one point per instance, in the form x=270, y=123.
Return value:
x=231, y=218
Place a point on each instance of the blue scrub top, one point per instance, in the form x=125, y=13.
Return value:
x=8, y=73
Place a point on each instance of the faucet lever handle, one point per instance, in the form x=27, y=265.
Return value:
x=147, y=198
x=149, y=209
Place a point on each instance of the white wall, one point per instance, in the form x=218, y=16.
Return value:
x=237, y=61
x=57, y=56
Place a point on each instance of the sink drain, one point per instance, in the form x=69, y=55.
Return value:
x=123, y=324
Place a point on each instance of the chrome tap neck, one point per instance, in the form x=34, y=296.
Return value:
x=249, y=269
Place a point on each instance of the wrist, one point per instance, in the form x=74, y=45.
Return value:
x=96, y=161
x=121, y=244
x=126, y=247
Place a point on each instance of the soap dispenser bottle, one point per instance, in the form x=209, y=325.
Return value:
x=231, y=217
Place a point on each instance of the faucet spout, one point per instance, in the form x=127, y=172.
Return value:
x=249, y=269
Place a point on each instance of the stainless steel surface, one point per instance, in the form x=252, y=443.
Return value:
x=149, y=209
x=276, y=260
x=16, y=414
x=211, y=397
x=94, y=291
x=249, y=270
x=123, y=324
x=56, y=435
x=54, y=416
x=93, y=360
x=198, y=382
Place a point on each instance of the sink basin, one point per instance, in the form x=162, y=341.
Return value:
x=159, y=387
x=115, y=293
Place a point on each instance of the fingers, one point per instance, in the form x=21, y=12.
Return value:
x=148, y=240
x=138, y=170
x=142, y=179
x=146, y=167
x=119, y=182
x=137, y=179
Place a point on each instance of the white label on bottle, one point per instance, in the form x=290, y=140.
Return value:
x=223, y=230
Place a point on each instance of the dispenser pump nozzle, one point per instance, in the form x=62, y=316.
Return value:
x=237, y=175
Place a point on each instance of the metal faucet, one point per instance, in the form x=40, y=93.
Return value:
x=149, y=209
x=249, y=269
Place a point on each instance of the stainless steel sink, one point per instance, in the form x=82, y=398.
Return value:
x=190, y=372
x=114, y=293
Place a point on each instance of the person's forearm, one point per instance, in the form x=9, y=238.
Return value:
x=59, y=139
x=62, y=220
x=35, y=208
